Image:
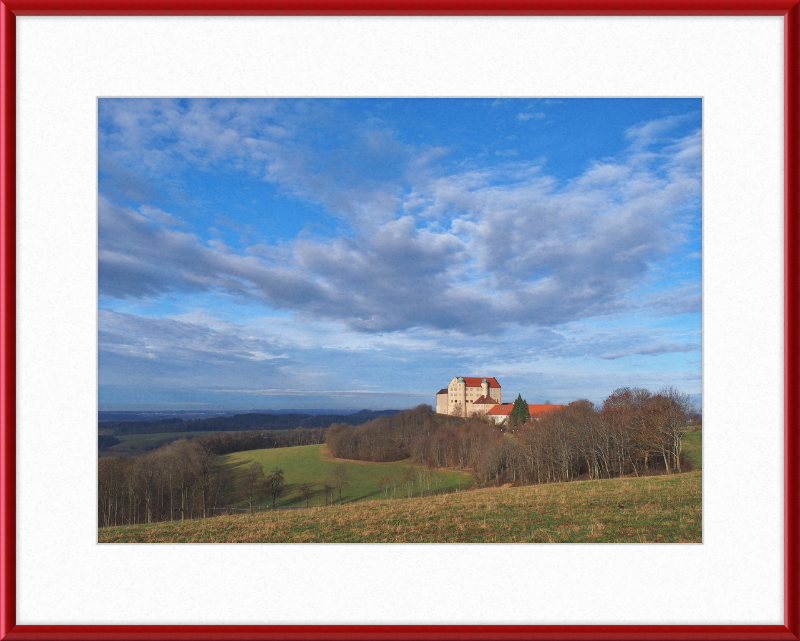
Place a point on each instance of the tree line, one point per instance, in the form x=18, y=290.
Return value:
x=634, y=431
x=175, y=482
x=387, y=439
x=227, y=442
x=179, y=480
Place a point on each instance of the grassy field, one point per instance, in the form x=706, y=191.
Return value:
x=313, y=464
x=693, y=448
x=661, y=509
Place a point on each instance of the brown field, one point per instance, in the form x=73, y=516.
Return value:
x=656, y=509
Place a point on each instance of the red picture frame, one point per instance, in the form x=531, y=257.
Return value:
x=789, y=9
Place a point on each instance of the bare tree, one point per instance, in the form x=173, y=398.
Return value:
x=307, y=491
x=201, y=469
x=273, y=484
x=146, y=471
x=384, y=485
x=110, y=495
x=181, y=463
x=327, y=491
x=423, y=480
x=341, y=479
x=253, y=481
x=677, y=420
x=221, y=482
x=408, y=481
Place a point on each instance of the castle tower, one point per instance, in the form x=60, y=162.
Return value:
x=461, y=385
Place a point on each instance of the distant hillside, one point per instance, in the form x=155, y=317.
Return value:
x=238, y=422
x=131, y=416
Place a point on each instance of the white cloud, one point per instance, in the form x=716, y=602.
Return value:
x=472, y=250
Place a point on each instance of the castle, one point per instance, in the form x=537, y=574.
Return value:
x=471, y=395
x=467, y=395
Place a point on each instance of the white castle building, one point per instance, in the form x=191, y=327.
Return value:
x=467, y=395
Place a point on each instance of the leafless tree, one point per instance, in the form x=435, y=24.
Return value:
x=424, y=480
x=681, y=406
x=201, y=469
x=408, y=481
x=385, y=485
x=327, y=491
x=145, y=473
x=307, y=491
x=253, y=481
x=273, y=485
x=341, y=479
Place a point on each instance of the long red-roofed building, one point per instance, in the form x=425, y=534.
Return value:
x=500, y=413
x=535, y=410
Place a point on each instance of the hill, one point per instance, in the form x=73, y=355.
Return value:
x=313, y=464
x=661, y=509
x=137, y=444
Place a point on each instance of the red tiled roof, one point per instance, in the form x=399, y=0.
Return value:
x=441, y=391
x=475, y=381
x=484, y=400
x=533, y=410
x=504, y=409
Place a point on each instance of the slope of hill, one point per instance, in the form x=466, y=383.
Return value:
x=137, y=444
x=313, y=464
x=662, y=509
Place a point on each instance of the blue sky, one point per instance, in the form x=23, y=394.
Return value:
x=359, y=253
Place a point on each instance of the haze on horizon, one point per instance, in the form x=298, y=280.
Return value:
x=359, y=253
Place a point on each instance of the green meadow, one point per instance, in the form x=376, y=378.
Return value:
x=313, y=464
x=693, y=448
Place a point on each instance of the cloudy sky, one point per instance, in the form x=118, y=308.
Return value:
x=360, y=253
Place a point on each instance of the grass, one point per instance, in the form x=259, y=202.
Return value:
x=313, y=464
x=693, y=448
x=660, y=509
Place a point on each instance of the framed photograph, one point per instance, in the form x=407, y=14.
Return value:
x=424, y=305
